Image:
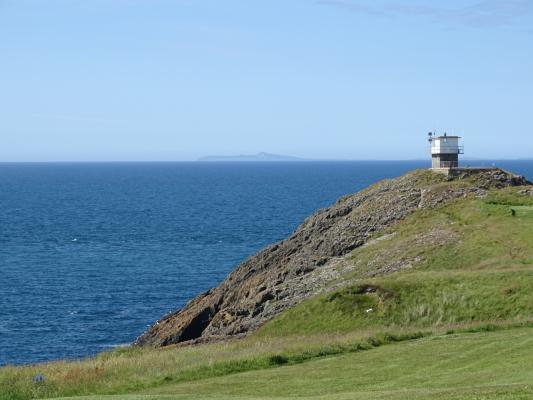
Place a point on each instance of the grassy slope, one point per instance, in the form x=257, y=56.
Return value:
x=483, y=274
x=480, y=272
x=495, y=365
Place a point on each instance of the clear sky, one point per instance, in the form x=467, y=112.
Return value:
x=179, y=79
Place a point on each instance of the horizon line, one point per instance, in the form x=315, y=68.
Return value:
x=303, y=160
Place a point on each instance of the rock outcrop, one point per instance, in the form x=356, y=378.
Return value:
x=287, y=272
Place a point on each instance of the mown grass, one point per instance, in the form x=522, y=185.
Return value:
x=466, y=266
x=483, y=365
x=133, y=369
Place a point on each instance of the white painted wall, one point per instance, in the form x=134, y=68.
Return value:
x=445, y=145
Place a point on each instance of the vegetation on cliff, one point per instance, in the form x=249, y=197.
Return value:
x=440, y=270
x=465, y=262
x=314, y=257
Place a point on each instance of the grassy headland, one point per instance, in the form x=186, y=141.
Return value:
x=429, y=281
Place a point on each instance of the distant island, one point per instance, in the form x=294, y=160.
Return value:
x=252, y=157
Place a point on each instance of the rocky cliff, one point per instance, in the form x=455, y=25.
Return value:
x=307, y=262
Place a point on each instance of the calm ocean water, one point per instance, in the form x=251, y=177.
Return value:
x=91, y=254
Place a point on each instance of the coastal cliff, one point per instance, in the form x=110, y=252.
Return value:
x=314, y=257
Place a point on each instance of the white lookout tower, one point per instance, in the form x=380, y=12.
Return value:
x=445, y=151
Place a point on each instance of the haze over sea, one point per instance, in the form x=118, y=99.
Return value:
x=91, y=254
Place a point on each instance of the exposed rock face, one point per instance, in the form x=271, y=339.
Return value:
x=287, y=272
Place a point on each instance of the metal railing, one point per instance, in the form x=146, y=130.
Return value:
x=448, y=150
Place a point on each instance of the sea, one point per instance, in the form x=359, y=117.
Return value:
x=91, y=254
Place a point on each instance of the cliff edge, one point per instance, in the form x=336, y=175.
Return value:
x=313, y=258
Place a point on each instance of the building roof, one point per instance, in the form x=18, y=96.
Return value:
x=446, y=137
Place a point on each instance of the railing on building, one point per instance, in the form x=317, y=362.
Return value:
x=449, y=150
x=459, y=149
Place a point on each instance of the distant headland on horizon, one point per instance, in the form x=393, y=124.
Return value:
x=253, y=157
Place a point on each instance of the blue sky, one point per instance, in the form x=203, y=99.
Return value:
x=179, y=79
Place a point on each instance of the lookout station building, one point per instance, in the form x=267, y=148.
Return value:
x=445, y=151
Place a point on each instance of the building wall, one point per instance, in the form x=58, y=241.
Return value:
x=445, y=161
x=446, y=145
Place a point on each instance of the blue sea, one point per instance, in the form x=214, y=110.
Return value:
x=92, y=253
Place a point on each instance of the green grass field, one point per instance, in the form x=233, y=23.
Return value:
x=454, y=321
x=488, y=365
